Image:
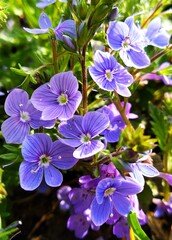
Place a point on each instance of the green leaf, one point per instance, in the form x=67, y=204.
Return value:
x=8, y=156
x=166, y=71
x=11, y=148
x=159, y=124
x=18, y=71
x=135, y=225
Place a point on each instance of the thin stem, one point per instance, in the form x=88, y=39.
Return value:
x=166, y=187
x=55, y=56
x=122, y=111
x=153, y=13
x=84, y=79
x=160, y=54
x=43, y=66
x=155, y=57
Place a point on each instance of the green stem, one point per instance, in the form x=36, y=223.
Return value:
x=55, y=56
x=155, y=57
x=43, y=66
x=84, y=79
x=166, y=188
x=121, y=110
x=153, y=13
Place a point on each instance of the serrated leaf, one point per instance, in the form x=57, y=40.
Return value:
x=135, y=225
x=159, y=124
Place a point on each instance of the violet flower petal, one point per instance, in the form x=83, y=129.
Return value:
x=53, y=177
x=44, y=3
x=62, y=156
x=36, y=145
x=44, y=21
x=14, y=130
x=100, y=212
x=16, y=101
x=94, y=123
x=30, y=175
x=121, y=203
x=88, y=149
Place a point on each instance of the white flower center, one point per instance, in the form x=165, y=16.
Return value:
x=109, y=75
x=24, y=116
x=109, y=191
x=85, y=138
x=126, y=42
x=62, y=99
x=44, y=160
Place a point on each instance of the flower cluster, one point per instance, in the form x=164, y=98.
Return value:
x=82, y=132
x=105, y=199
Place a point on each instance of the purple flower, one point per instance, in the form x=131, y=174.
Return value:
x=83, y=133
x=81, y=199
x=112, y=133
x=110, y=75
x=80, y=224
x=42, y=157
x=44, y=24
x=121, y=228
x=112, y=193
x=156, y=75
x=44, y=3
x=141, y=168
x=62, y=195
x=59, y=98
x=23, y=115
x=67, y=27
x=155, y=35
x=128, y=39
x=163, y=208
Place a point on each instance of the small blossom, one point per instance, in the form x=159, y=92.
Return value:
x=156, y=75
x=44, y=24
x=141, y=168
x=127, y=38
x=62, y=195
x=116, y=122
x=83, y=133
x=44, y=3
x=66, y=27
x=23, y=115
x=112, y=193
x=59, y=98
x=42, y=157
x=80, y=224
x=110, y=75
x=155, y=35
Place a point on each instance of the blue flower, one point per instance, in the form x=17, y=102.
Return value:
x=155, y=35
x=113, y=194
x=83, y=133
x=110, y=75
x=59, y=98
x=44, y=24
x=44, y=3
x=80, y=224
x=42, y=158
x=23, y=115
x=116, y=122
x=128, y=39
x=66, y=27
x=142, y=167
